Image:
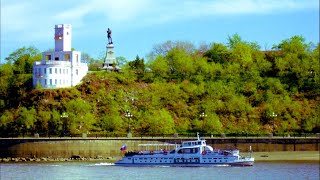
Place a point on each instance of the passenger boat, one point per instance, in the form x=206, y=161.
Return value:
x=189, y=153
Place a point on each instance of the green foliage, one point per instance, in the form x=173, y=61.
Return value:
x=80, y=118
x=160, y=122
x=23, y=59
x=160, y=68
x=55, y=123
x=26, y=118
x=219, y=53
x=93, y=64
x=121, y=61
x=6, y=118
x=240, y=88
x=234, y=40
x=138, y=67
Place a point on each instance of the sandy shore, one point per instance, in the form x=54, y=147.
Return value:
x=287, y=156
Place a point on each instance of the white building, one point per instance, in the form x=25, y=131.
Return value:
x=62, y=67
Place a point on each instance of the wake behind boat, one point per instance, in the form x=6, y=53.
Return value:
x=190, y=153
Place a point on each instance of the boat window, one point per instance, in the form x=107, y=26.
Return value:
x=172, y=152
x=180, y=151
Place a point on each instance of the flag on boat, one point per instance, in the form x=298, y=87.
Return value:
x=123, y=148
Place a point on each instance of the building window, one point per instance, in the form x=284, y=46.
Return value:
x=64, y=82
x=67, y=71
x=60, y=70
x=50, y=70
x=64, y=71
x=45, y=81
x=48, y=57
x=55, y=81
x=76, y=71
x=56, y=70
x=67, y=57
x=77, y=58
x=50, y=81
x=60, y=80
x=56, y=58
x=45, y=70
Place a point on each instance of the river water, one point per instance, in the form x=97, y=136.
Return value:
x=101, y=170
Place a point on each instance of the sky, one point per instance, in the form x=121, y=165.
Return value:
x=138, y=25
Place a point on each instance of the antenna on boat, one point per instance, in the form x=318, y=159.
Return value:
x=198, y=136
x=250, y=151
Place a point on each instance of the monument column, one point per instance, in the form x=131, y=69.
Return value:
x=110, y=60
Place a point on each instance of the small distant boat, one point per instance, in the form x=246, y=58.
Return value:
x=190, y=153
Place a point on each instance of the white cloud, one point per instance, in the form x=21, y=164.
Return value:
x=33, y=20
x=114, y=11
x=21, y=15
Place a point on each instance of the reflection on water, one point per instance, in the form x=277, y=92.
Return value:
x=104, y=170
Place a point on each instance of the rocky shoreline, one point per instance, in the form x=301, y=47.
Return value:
x=259, y=156
x=50, y=159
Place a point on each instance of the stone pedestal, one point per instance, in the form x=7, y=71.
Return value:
x=110, y=62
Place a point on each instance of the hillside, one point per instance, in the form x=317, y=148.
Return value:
x=234, y=88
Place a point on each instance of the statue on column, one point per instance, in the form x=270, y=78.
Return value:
x=109, y=37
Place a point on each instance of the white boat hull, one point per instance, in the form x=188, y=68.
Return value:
x=150, y=160
x=190, y=153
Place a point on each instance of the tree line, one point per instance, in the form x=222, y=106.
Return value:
x=214, y=88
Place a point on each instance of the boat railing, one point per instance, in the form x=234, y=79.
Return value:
x=158, y=147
